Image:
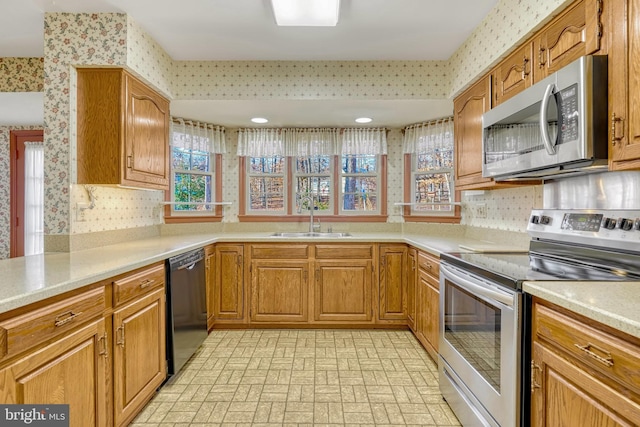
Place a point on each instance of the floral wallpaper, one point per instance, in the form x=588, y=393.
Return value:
x=5, y=190
x=21, y=74
x=310, y=79
x=117, y=40
x=506, y=25
x=507, y=209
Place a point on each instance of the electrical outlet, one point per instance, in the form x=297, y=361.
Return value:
x=481, y=210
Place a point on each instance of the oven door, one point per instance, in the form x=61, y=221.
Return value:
x=479, y=348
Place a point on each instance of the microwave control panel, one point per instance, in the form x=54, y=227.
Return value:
x=568, y=112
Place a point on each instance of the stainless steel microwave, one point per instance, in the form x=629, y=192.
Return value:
x=556, y=127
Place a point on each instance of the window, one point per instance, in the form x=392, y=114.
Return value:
x=337, y=172
x=429, y=186
x=195, y=169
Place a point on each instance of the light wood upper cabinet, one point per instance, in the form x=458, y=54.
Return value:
x=71, y=370
x=468, y=109
x=513, y=74
x=392, y=287
x=581, y=373
x=228, y=292
x=139, y=353
x=279, y=290
x=576, y=32
x=123, y=131
x=624, y=87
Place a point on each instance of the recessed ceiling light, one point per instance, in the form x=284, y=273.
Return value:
x=259, y=120
x=364, y=120
x=306, y=13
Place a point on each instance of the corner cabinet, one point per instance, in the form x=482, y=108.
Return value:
x=228, y=296
x=582, y=373
x=624, y=86
x=392, y=286
x=123, y=130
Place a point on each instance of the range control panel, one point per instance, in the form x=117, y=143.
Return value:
x=590, y=226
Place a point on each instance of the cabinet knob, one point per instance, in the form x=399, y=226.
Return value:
x=534, y=383
x=525, y=73
x=541, y=61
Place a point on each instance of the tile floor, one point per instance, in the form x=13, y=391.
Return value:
x=303, y=377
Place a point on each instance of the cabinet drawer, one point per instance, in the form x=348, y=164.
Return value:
x=284, y=251
x=616, y=358
x=344, y=251
x=429, y=264
x=138, y=283
x=22, y=332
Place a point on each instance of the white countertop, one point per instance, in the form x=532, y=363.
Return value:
x=612, y=303
x=30, y=279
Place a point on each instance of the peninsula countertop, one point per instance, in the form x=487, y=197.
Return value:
x=33, y=278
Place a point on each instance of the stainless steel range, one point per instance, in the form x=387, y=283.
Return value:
x=484, y=316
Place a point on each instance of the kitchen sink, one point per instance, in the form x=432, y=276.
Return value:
x=299, y=234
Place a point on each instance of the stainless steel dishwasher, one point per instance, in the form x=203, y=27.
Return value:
x=186, y=308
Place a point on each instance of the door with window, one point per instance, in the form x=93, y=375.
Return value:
x=27, y=192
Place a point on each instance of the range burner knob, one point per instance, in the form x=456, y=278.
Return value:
x=545, y=220
x=609, y=223
x=636, y=224
x=625, y=224
x=535, y=219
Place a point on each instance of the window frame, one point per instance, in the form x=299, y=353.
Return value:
x=173, y=217
x=410, y=215
x=341, y=194
x=286, y=185
x=335, y=216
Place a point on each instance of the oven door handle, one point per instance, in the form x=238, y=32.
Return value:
x=503, y=297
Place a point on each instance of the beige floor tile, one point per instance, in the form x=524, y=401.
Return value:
x=303, y=377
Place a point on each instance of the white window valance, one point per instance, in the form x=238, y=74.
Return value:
x=371, y=141
x=197, y=136
x=265, y=142
x=424, y=138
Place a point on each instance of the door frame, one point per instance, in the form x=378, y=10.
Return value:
x=17, y=138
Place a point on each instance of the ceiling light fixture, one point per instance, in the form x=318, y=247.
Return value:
x=306, y=13
x=260, y=120
x=364, y=120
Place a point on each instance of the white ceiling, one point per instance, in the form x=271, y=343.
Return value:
x=246, y=30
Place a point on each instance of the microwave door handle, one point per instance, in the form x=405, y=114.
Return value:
x=483, y=291
x=544, y=126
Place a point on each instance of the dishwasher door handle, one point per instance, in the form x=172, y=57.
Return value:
x=188, y=267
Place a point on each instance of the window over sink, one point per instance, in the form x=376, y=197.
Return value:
x=339, y=173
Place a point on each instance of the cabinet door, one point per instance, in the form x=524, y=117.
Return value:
x=624, y=89
x=578, y=31
x=412, y=271
x=210, y=264
x=513, y=74
x=468, y=110
x=563, y=394
x=228, y=298
x=146, y=135
x=393, y=283
x=279, y=290
x=343, y=290
x=428, y=310
x=71, y=370
x=139, y=355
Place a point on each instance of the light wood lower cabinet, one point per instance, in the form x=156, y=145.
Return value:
x=139, y=353
x=71, y=370
x=582, y=374
x=428, y=303
x=343, y=290
x=210, y=279
x=279, y=290
x=393, y=283
x=228, y=293
x=412, y=277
